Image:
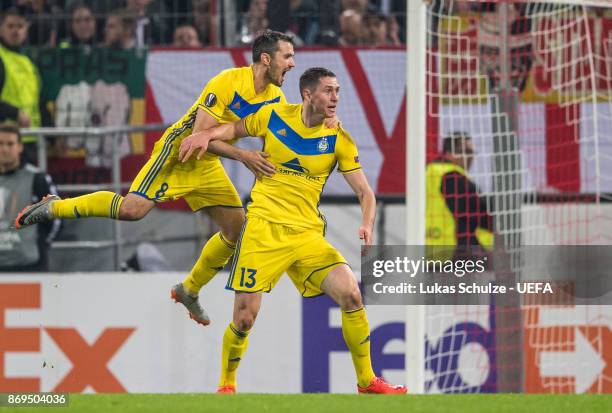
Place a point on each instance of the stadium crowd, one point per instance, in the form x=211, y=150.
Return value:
x=198, y=23
x=31, y=27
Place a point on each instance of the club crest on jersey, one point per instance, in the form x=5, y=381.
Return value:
x=322, y=145
x=210, y=100
x=282, y=132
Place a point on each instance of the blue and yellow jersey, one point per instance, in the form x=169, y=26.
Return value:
x=227, y=97
x=304, y=158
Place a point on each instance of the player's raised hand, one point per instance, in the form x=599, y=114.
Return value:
x=332, y=123
x=192, y=143
x=365, y=234
x=257, y=163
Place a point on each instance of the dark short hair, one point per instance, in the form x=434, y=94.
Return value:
x=310, y=78
x=78, y=6
x=13, y=11
x=128, y=19
x=453, y=141
x=267, y=42
x=374, y=13
x=10, y=128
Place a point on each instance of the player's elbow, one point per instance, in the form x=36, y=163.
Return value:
x=364, y=192
x=368, y=194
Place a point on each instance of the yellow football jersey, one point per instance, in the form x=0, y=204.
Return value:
x=304, y=158
x=227, y=97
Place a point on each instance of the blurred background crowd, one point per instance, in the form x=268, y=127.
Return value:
x=75, y=63
x=203, y=23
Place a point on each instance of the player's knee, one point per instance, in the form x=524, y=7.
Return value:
x=132, y=211
x=132, y=214
x=231, y=235
x=244, y=321
x=351, y=299
x=231, y=232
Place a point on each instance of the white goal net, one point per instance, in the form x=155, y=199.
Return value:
x=531, y=84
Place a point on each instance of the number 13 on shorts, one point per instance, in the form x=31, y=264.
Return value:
x=247, y=277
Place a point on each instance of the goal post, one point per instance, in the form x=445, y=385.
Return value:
x=531, y=83
x=416, y=43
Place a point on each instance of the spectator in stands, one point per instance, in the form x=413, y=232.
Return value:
x=254, y=21
x=305, y=20
x=82, y=28
x=519, y=41
x=43, y=29
x=204, y=22
x=26, y=250
x=20, y=85
x=396, y=12
x=457, y=215
x=149, y=27
x=351, y=32
x=119, y=31
x=359, y=6
x=186, y=36
x=380, y=30
x=438, y=9
x=328, y=23
x=100, y=9
x=259, y=18
x=393, y=31
x=374, y=27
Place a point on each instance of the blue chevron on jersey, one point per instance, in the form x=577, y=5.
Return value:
x=242, y=108
x=299, y=145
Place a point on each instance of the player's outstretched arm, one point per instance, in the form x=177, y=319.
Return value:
x=360, y=186
x=255, y=161
x=203, y=122
x=198, y=142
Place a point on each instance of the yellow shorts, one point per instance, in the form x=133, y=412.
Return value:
x=202, y=183
x=266, y=250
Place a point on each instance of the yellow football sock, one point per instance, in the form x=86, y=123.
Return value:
x=97, y=204
x=215, y=254
x=234, y=345
x=356, y=333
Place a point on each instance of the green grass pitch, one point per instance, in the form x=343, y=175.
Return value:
x=309, y=403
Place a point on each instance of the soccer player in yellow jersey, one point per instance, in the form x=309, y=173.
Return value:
x=284, y=229
x=229, y=96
